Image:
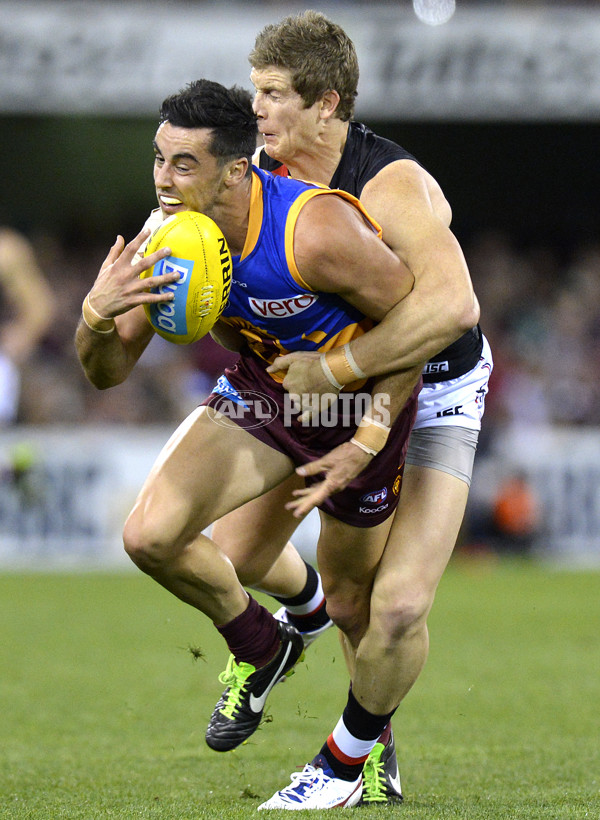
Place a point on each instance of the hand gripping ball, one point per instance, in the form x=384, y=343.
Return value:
x=200, y=255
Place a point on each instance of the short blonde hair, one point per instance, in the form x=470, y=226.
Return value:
x=318, y=53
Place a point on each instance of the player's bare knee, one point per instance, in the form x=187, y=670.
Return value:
x=145, y=549
x=401, y=613
x=350, y=615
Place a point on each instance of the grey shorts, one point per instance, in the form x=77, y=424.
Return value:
x=449, y=449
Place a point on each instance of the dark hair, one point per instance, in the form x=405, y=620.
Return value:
x=318, y=53
x=227, y=111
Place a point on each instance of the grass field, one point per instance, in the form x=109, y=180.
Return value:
x=103, y=706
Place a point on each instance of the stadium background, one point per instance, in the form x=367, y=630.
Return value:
x=501, y=104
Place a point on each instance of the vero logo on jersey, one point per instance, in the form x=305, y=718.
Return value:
x=281, y=308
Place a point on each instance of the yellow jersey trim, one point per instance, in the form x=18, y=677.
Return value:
x=255, y=216
x=292, y=218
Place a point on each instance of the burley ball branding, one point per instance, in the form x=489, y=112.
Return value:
x=171, y=317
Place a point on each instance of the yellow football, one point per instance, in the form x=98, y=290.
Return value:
x=200, y=255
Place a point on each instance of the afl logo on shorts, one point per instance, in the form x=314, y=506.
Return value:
x=241, y=408
x=376, y=497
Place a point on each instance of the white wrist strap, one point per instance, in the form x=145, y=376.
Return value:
x=329, y=373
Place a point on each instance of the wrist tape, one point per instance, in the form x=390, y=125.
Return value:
x=371, y=436
x=95, y=322
x=340, y=367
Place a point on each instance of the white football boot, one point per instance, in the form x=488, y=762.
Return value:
x=316, y=787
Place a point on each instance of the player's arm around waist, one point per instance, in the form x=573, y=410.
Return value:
x=113, y=331
x=336, y=251
x=415, y=218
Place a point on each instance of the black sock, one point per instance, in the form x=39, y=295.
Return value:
x=347, y=763
x=307, y=611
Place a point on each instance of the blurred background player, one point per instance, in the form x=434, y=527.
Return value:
x=27, y=307
x=305, y=73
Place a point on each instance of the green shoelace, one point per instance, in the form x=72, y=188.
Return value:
x=235, y=677
x=374, y=777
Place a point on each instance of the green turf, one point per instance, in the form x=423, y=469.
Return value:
x=103, y=706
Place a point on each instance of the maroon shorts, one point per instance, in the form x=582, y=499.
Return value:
x=248, y=397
